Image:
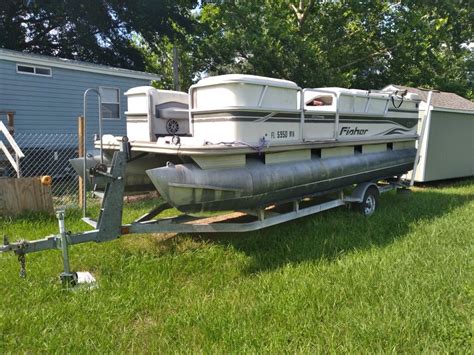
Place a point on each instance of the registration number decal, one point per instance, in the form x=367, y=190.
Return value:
x=282, y=134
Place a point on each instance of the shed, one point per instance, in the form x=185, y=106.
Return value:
x=448, y=142
x=46, y=93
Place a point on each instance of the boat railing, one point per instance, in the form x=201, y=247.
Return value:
x=258, y=107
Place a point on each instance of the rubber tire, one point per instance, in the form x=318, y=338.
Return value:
x=371, y=197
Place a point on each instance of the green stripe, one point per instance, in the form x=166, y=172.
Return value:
x=252, y=116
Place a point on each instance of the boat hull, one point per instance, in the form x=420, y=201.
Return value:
x=192, y=189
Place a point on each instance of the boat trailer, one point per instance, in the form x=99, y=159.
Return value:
x=109, y=225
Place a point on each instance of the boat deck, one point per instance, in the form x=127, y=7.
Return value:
x=241, y=148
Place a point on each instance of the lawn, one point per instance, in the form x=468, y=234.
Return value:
x=399, y=281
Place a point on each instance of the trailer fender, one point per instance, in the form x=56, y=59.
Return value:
x=358, y=193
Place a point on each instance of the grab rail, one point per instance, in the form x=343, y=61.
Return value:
x=84, y=142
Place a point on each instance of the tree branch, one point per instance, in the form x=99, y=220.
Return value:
x=382, y=51
x=301, y=12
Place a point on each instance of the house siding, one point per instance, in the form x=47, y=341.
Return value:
x=52, y=104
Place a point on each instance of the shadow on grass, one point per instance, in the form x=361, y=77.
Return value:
x=321, y=237
x=331, y=234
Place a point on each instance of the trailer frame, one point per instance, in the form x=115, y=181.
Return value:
x=109, y=225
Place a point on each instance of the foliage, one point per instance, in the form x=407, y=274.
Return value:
x=365, y=44
x=158, y=58
x=337, y=282
x=94, y=31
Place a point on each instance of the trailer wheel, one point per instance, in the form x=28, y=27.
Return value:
x=369, y=202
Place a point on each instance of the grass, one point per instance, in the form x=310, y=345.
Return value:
x=399, y=281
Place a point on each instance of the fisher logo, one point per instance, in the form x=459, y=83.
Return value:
x=348, y=131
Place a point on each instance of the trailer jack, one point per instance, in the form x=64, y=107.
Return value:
x=108, y=226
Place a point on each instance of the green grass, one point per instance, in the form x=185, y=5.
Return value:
x=399, y=281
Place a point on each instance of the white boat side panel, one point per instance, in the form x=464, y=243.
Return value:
x=362, y=105
x=137, y=103
x=138, y=129
x=321, y=109
x=244, y=95
x=377, y=105
x=246, y=132
x=318, y=131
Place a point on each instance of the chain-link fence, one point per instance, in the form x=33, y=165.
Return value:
x=49, y=154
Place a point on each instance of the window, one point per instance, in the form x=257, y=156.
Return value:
x=33, y=70
x=110, y=103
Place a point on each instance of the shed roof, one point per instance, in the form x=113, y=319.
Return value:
x=441, y=99
x=44, y=60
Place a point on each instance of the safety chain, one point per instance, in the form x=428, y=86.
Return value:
x=22, y=258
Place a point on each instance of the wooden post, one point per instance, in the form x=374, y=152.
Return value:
x=11, y=122
x=80, y=136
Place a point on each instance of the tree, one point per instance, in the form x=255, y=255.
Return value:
x=94, y=31
x=432, y=52
x=312, y=43
x=353, y=43
x=366, y=44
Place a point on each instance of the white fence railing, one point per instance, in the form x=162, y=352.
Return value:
x=14, y=161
